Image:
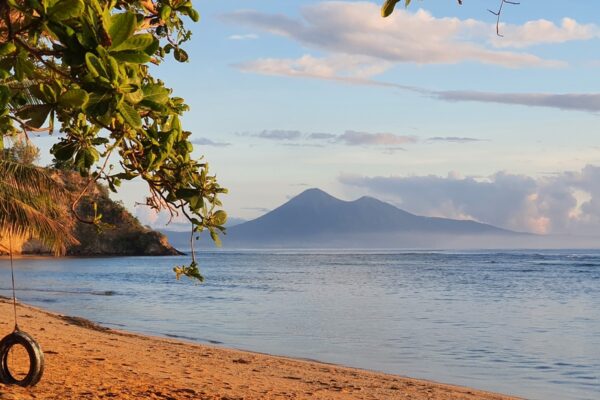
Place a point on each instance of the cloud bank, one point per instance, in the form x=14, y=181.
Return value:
x=354, y=138
x=566, y=202
x=208, y=142
x=571, y=101
x=278, y=134
x=359, y=42
x=349, y=138
x=358, y=45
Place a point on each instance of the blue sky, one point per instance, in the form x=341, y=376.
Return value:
x=413, y=109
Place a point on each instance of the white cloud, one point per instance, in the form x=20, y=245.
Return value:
x=162, y=219
x=588, y=102
x=333, y=67
x=566, y=202
x=544, y=32
x=201, y=141
x=349, y=138
x=279, y=134
x=358, y=45
x=566, y=101
x=247, y=36
x=355, y=32
x=354, y=138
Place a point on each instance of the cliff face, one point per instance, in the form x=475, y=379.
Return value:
x=120, y=234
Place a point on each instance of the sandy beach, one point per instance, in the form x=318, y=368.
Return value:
x=86, y=361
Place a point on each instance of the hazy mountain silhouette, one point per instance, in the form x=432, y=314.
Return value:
x=317, y=219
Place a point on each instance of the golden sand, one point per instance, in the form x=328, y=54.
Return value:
x=85, y=361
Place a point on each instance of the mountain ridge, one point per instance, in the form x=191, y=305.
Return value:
x=316, y=219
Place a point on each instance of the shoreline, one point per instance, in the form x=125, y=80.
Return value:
x=87, y=361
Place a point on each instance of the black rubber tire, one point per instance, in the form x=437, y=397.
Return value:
x=36, y=359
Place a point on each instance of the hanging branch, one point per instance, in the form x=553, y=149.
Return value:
x=86, y=65
x=499, y=13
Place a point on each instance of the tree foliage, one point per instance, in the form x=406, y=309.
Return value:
x=21, y=151
x=82, y=67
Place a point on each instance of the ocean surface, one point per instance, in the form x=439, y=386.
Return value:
x=525, y=323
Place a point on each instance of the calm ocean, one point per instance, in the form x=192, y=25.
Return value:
x=522, y=323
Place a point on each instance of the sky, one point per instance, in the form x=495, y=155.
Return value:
x=429, y=109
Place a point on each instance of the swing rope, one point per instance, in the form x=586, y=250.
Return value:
x=12, y=272
x=36, y=356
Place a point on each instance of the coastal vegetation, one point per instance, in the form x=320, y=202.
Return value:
x=30, y=204
x=37, y=206
x=82, y=68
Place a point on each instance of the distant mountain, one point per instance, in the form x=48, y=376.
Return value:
x=315, y=219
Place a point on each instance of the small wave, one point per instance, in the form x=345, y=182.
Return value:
x=174, y=336
x=85, y=292
x=104, y=293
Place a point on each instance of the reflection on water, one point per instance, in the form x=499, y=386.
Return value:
x=523, y=323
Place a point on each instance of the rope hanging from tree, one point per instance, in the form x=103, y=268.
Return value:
x=19, y=338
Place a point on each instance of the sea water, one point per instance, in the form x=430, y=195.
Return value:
x=525, y=323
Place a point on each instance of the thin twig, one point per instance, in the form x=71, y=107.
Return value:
x=37, y=55
x=499, y=13
x=26, y=128
x=87, y=186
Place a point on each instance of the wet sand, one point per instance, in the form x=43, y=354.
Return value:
x=86, y=361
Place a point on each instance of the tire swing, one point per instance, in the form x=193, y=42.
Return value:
x=20, y=338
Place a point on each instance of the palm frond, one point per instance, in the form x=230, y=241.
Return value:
x=32, y=180
x=30, y=206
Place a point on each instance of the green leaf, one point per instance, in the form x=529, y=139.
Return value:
x=74, y=98
x=122, y=26
x=63, y=151
x=136, y=42
x=388, y=7
x=99, y=140
x=191, y=271
x=194, y=15
x=47, y=93
x=66, y=9
x=136, y=57
x=215, y=237
x=128, y=88
x=165, y=12
x=186, y=193
x=151, y=50
x=36, y=115
x=134, y=97
x=156, y=94
x=154, y=106
x=85, y=158
x=95, y=66
x=113, y=68
x=7, y=48
x=181, y=55
x=98, y=105
x=131, y=116
x=4, y=96
x=219, y=218
x=23, y=67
